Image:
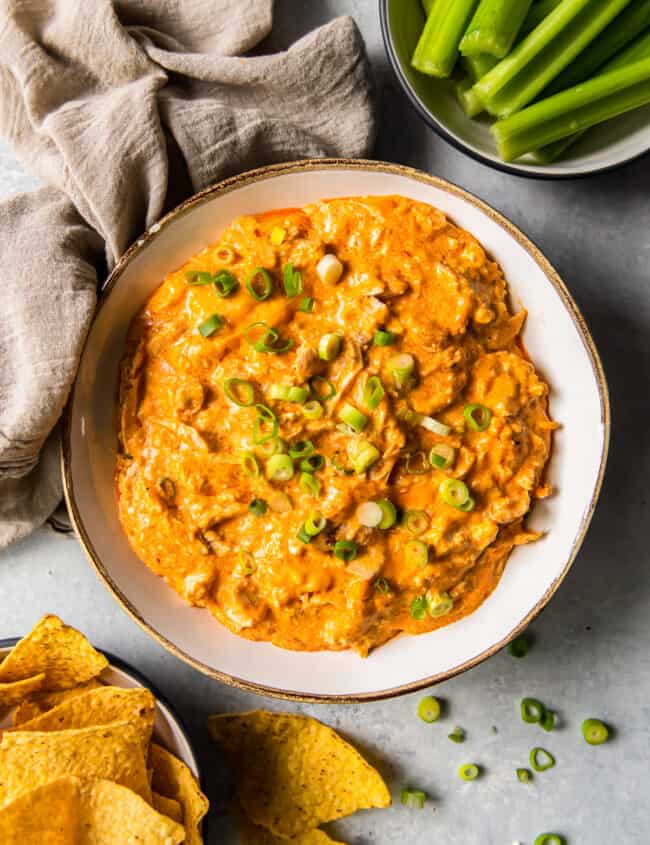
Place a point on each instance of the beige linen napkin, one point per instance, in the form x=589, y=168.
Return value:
x=121, y=108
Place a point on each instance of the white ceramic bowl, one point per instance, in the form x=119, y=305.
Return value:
x=558, y=342
x=602, y=148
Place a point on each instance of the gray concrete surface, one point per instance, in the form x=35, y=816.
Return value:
x=591, y=655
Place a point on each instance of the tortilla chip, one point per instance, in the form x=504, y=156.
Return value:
x=293, y=773
x=100, y=707
x=251, y=834
x=43, y=816
x=168, y=807
x=172, y=779
x=62, y=653
x=14, y=692
x=31, y=758
x=40, y=703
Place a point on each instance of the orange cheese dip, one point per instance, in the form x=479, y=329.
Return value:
x=210, y=494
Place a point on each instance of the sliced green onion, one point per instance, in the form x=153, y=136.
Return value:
x=413, y=798
x=167, y=488
x=329, y=346
x=401, y=368
x=306, y=304
x=478, y=416
x=198, y=278
x=312, y=463
x=469, y=771
x=418, y=608
x=416, y=463
x=457, y=735
x=519, y=646
x=312, y=410
x=382, y=586
x=272, y=447
x=468, y=505
x=429, y=709
x=389, y=514
x=416, y=521
x=346, y=550
x=454, y=492
x=292, y=280
x=532, y=710
x=259, y=284
x=329, y=269
x=279, y=501
x=279, y=392
x=303, y=535
x=239, y=391
x=318, y=380
x=352, y=417
x=279, y=468
x=265, y=417
x=548, y=720
x=365, y=456
x=250, y=465
x=434, y=426
x=549, y=839
x=225, y=283
x=384, y=338
x=298, y=395
x=267, y=342
x=211, y=325
x=409, y=416
x=258, y=507
x=595, y=732
x=524, y=775
x=310, y=484
x=541, y=759
x=416, y=553
x=369, y=514
x=301, y=449
x=373, y=393
x=439, y=604
x=315, y=523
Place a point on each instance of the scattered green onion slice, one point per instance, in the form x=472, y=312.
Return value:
x=595, y=732
x=524, y=775
x=346, y=550
x=370, y=514
x=292, y=280
x=454, y=492
x=532, y=710
x=365, y=456
x=211, y=325
x=306, y=304
x=457, y=735
x=265, y=417
x=373, y=393
x=352, y=417
x=318, y=380
x=198, y=278
x=272, y=447
x=247, y=563
x=303, y=535
x=250, y=465
x=541, y=759
x=416, y=463
x=549, y=839
x=329, y=346
x=434, y=426
x=310, y=484
x=224, y=282
x=442, y=456
x=301, y=449
x=429, y=709
x=167, y=488
x=315, y=523
x=478, y=416
x=439, y=604
x=548, y=720
x=312, y=410
x=409, y=416
x=519, y=646
x=469, y=771
x=418, y=608
x=279, y=501
x=413, y=798
x=401, y=368
x=267, y=342
x=416, y=553
x=416, y=521
x=259, y=284
x=389, y=514
x=384, y=338
x=239, y=391
x=279, y=468
x=468, y=505
x=382, y=586
x=258, y=507
x=279, y=392
x=312, y=463
x=298, y=394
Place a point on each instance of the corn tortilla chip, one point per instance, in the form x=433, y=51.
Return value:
x=13, y=692
x=173, y=779
x=40, y=703
x=46, y=815
x=251, y=834
x=293, y=773
x=62, y=653
x=31, y=758
x=168, y=807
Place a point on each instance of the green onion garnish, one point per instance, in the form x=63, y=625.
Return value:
x=439, y=604
x=312, y=463
x=413, y=798
x=416, y=463
x=541, y=759
x=198, y=278
x=352, y=417
x=401, y=368
x=389, y=514
x=345, y=550
x=303, y=535
x=549, y=839
x=434, y=426
x=306, y=305
x=261, y=430
x=268, y=341
x=364, y=457
x=279, y=392
x=312, y=410
x=279, y=468
x=310, y=484
x=272, y=447
x=416, y=553
x=595, y=732
x=418, y=608
x=478, y=416
x=239, y=391
x=259, y=284
x=532, y=710
x=211, y=325
x=167, y=488
x=373, y=393
x=454, y=492
x=384, y=338
x=258, y=507
x=301, y=449
x=298, y=394
x=457, y=735
x=369, y=514
x=442, y=456
x=548, y=720
x=224, y=282
x=469, y=771
x=382, y=586
x=315, y=523
x=250, y=465
x=519, y=646
x=292, y=281
x=524, y=775
x=416, y=521
x=429, y=709
x=320, y=395
x=329, y=346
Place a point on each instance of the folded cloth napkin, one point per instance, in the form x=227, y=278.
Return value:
x=122, y=108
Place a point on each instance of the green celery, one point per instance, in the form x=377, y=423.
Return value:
x=601, y=98
x=538, y=11
x=477, y=66
x=494, y=27
x=437, y=50
x=468, y=100
x=549, y=48
x=427, y=5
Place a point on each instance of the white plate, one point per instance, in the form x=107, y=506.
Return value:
x=558, y=342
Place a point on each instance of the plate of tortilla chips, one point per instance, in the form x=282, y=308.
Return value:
x=88, y=754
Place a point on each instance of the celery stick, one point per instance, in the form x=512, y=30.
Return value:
x=468, y=100
x=639, y=49
x=427, y=5
x=494, y=27
x=477, y=66
x=549, y=48
x=437, y=50
x=539, y=10
x=601, y=98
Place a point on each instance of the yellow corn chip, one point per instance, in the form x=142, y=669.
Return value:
x=100, y=707
x=43, y=816
x=31, y=758
x=251, y=834
x=294, y=773
x=168, y=807
x=62, y=653
x=40, y=703
x=173, y=779
x=13, y=692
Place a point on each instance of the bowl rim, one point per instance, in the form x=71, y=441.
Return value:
x=269, y=172
x=523, y=170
